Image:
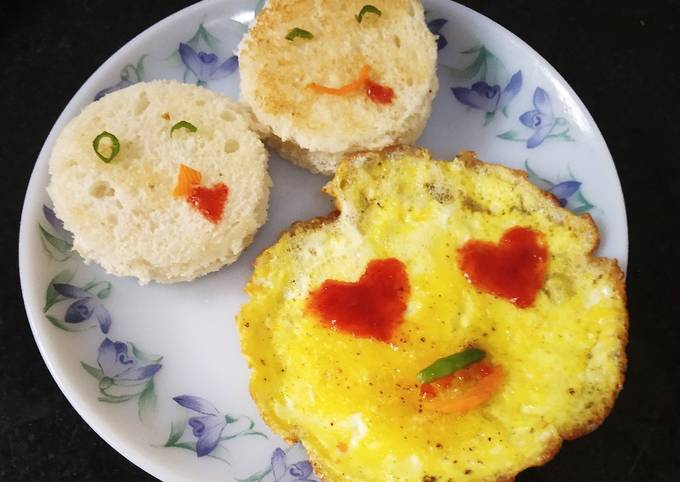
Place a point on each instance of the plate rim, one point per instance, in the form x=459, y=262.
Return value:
x=34, y=315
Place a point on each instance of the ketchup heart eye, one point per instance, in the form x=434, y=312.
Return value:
x=513, y=269
x=372, y=307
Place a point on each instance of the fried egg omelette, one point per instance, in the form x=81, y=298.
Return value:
x=355, y=400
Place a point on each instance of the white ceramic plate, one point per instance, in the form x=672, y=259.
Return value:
x=156, y=370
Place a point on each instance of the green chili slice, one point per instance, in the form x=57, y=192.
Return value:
x=449, y=364
x=183, y=125
x=367, y=9
x=115, y=146
x=298, y=32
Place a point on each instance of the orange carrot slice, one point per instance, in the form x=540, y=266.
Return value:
x=479, y=393
x=353, y=86
x=186, y=180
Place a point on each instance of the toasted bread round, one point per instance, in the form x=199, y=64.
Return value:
x=355, y=401
x=123, y=214
x=313, y=129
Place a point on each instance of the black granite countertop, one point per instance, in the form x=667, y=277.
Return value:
x=622, y=61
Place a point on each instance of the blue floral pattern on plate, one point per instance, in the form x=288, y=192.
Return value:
x=129, y=75
x=280, y=470
x=542, y=121
x=206, y=66
x=87, y=307
x=124, y=372
x=57, y=244
x=435, y=26
x=568, y=193
x=202, y=62
x=88, y=303
x=494, y=88
x=197, y=58
x=208, y=429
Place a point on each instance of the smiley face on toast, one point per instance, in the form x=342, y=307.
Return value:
x=338, y=76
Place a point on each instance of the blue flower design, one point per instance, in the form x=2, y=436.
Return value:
x=206, y=66
x=58, y=243
x=564, y=190
x=489, y=98
x=125, y=373
x=541, y=120
x=129, y=75
x=435, y=27
x=568, y=193
x=120, y=85
x=279, y=470
x=297, y=472
x=86, y=306
x=118, y=364
x=208, y=428
x=56, y=223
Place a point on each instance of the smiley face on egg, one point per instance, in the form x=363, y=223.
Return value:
x=448, y=322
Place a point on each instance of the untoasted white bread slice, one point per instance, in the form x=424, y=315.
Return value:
x=123, y=214
x=313, y=129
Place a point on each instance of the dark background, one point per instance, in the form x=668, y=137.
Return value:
x=623, y=63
